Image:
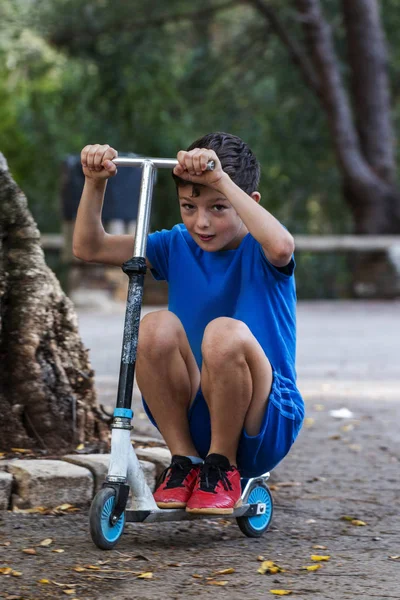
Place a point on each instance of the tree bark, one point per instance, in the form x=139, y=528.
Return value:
x=367, y=57
x=47, y=396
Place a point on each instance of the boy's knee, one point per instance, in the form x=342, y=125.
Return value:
x=159, y=333
x=224, y=339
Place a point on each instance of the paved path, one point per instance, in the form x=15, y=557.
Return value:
x=348, y=356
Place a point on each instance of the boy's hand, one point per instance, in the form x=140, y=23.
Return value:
x=193, y=164
x=96, y=161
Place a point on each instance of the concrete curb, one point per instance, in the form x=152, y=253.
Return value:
x=72, y=479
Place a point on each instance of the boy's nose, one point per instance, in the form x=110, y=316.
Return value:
x=203, y=221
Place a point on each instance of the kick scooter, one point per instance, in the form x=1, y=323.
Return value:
x=108, y=512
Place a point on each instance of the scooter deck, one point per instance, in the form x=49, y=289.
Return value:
x=179, y=514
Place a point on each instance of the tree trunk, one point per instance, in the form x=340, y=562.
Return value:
x=47, y=397
x=364, y=145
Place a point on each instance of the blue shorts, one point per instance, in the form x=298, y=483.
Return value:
x=260, y=453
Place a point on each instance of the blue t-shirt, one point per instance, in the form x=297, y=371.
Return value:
x=240, y=283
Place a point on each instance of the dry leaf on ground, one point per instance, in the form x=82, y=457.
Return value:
x=312, y=567
x=224, y=572
x=29, y=551
x=318, y=557
x=5, y=571
x=318, y=547
x=147, y=575
x=281, y=592
x=358, y=522
x=46, y=542
x=217, y=582
x=268, y=566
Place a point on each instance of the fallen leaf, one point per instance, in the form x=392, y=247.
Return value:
x=281, y=592
x=347, y=518
x=6, y=544
x=58, y=550
x=64, y=507
x=224, y=572
x=358, y=522
x=261, y=558
x=79, y=569
x=29, y=551
x=2, y=455
x=336, y=436
x=308, y=422
x=147, y=575
x=5, y=570
x=16, y=573
x=80, y=447
x=396, y=557
x=217, y=582
x=21, y=450
x=268, y=566
x=46, y=542
x=312, y=567
x=197, y=576
x=346, y=428
x=69, y=591
x=317, y=557
x=43, y=581
x=355, y=447
x=319, y=407
x=318, y=547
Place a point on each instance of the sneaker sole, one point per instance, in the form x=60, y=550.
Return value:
x=171, y=504
x=214, y=511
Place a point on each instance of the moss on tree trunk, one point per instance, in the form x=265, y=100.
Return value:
x=47, y=395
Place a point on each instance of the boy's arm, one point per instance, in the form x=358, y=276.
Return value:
x=276, y=241
x=91, y=243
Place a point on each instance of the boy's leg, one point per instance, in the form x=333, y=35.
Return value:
x=168, y=377
x=236, y=380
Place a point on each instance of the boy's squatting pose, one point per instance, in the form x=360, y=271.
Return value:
x=217, y=369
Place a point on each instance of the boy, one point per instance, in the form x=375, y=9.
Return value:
x=216, y=370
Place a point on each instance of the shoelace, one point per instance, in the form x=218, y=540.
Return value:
x=210, y=476
x=178, y=473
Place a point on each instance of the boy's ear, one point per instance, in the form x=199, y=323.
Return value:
x=256, y=196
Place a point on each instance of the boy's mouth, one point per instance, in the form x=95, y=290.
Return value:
x=206, y=238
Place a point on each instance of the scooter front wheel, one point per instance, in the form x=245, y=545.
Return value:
x=104, y=533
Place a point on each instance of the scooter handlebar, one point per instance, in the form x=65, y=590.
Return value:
x=159, y=163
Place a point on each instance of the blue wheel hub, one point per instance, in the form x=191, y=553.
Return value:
x=111, y=532
x=260, y=495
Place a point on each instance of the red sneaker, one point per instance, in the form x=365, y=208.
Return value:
x=218, y=490
x=177, y=483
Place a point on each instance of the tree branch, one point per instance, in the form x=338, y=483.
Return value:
x=185, y=15
x=298, y=57
x=334, y=97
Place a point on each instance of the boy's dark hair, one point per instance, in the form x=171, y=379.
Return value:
x=237, y=160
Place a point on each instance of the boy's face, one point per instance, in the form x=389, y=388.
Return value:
x=210, y=219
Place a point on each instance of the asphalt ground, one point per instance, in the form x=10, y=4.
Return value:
x=336, y=495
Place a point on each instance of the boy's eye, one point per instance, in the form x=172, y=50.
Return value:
x=219, y=207
x=187, y=206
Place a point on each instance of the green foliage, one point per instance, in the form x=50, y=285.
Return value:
x=132, y=75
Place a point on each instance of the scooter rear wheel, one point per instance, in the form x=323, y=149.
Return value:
x=257, y=525
x=105, y=534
